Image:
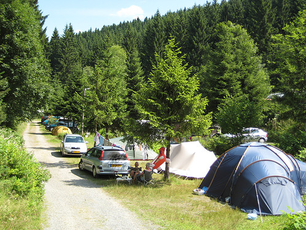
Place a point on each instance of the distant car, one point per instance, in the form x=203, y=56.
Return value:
x=251, y=134
x=43, y=118
x=255, y=134
x=73, y=145
x=105, y=160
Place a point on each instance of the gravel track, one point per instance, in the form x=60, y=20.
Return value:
x=72, y=201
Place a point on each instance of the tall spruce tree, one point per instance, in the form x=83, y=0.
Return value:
x=260, y=16
x=198, y=44
x=70, y=76
x=54, y=52
x=134, y=71
x=23, y=60
x=108, y=91
x=234, y=68
x=153, y=42
x=291, y=62
x=170, y=101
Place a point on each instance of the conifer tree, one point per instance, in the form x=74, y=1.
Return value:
x=108, y=91
x=23, y=60
x=198, y=43
x=153, y=42
x=234, y=68
x=70, y=76
x=291, y=62
x=170, y=101
x=134, y=71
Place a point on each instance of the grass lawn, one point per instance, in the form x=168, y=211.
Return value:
x=172, y=205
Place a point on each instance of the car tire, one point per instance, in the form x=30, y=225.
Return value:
x=81, y=165
x=94, y=172
x=261, y=140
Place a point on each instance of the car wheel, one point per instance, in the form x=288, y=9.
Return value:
x=94, y=172
x=81, y=165
x=261, y=140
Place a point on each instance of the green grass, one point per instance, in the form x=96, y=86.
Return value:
x=19, y=214
x=172, y=205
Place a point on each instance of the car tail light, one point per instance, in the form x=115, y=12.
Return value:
x=126, y=155
x=102, y=155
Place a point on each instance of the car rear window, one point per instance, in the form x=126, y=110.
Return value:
x=75, y=139
x=114, y=155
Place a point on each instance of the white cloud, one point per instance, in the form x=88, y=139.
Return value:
x=133, y=11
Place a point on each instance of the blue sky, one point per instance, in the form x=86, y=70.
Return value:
x=86, y=14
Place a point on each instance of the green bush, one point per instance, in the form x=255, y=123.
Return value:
x=21, y=175
x=217, y=144
x=289, y=137
x=296, y=221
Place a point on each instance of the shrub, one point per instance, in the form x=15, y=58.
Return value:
x=296, y=221
x=217, y=144
x=20, y=174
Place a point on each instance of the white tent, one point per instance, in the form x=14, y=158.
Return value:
x=190, y=159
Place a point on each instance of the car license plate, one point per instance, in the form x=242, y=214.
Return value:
x=75, y=151
x=116, y=166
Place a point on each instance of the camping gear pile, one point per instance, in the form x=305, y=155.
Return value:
x=257, y=178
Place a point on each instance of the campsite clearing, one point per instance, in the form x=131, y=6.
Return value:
x=173, y=206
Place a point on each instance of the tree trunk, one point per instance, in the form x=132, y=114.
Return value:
x=106, y=135
x=167, y=174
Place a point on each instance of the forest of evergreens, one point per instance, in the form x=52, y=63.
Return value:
x=238, y=50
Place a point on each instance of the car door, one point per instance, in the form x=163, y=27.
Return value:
x=87, y=159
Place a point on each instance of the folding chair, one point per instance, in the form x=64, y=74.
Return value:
x=146, y=178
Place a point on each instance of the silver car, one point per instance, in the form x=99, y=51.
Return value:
x=73, y=145
x=250, y=134
x=105, y=160
x=255, y=134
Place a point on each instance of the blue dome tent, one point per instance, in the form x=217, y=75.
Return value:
x=258, y=177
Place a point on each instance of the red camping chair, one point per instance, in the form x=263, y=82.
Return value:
x=161, y=158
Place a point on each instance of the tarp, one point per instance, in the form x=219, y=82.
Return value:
x=61, y=129
x=257, y=177
x=190, y=159
x=134, y=152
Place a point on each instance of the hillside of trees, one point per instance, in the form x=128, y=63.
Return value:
x=238, y=50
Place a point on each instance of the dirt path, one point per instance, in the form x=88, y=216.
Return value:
x=74, y=202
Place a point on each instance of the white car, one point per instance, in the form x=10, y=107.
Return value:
x=251, y=134
x=255, y=134
x=73, y=145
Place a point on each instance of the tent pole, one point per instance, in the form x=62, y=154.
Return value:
x=258, y=202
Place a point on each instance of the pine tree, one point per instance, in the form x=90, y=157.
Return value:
x=198, y=43
x=70, y=76
x=108, y=91
x=54, y=52
x=169, y=100
x=153, y=42
x=234, y=68
x=134, y=71
x=291, y=62
x=23, y=60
